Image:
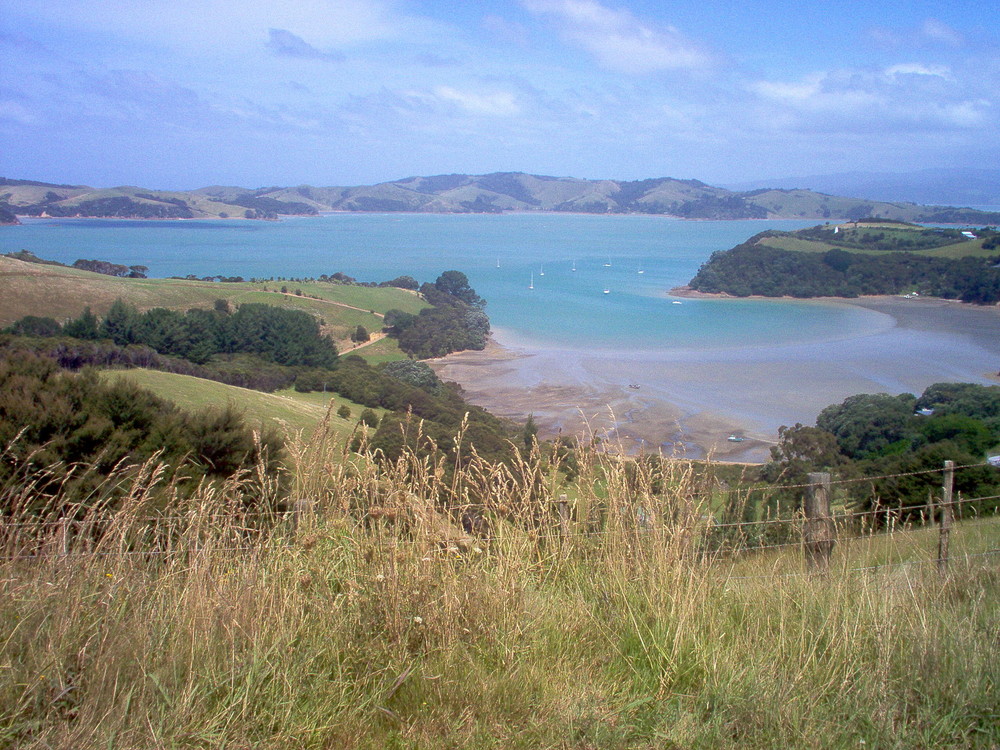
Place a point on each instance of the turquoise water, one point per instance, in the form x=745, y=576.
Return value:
x=566, y=308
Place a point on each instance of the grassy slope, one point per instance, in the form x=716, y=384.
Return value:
x=62, y=293
x=796, y=243
x=352, y=632
x=291, y=410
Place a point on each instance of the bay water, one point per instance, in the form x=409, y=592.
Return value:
x=604, y=344
x=637, y=259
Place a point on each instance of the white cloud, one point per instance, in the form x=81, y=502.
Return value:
x=618, y=39
x=918, y=69
x=930, y=33
x=495, y=104
x=906, y=97
x=285, y=43
x=17, y=113
x=500, y=103
x=936, y=31
x=232, y=24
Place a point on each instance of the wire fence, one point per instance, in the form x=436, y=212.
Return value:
x=31, y=538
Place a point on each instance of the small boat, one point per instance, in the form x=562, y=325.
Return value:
x=531, y=285
x=676, y=302
x=574, y=265
x=498, y=263
x=541, y=271
x=607, y=291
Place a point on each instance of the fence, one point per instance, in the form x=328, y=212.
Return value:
x=816, y=529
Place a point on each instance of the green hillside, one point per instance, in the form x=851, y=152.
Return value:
x=61, y=292
x=291, y=410
x=859, y=258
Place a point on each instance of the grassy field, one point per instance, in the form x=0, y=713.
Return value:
x=376, y=622
x=289, y=409
x=62, y=293
x=796, y=243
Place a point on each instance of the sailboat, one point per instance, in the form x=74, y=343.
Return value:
x=541, y=270
x=532, y=284
x=608, y=264
x=574, y=266
x=498, y=263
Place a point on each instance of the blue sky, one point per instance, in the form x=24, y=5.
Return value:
x=186, y=93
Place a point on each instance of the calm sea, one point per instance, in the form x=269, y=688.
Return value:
x=616, y=299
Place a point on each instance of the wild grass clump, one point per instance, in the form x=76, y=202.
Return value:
x=440, y=603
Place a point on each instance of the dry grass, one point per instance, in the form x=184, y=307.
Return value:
x=375, y=620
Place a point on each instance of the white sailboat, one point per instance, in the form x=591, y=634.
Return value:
x=531, y=285
x=574, y=266
x=541, y=270
x=498, y=263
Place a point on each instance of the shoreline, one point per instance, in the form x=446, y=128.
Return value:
x=687, y=292
x=687, y=402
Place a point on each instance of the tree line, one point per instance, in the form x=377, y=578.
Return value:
x=889, y=438
x=752, y=268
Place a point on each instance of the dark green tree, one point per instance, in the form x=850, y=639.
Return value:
x=84, y=327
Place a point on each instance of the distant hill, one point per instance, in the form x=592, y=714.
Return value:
x=460, y=193
x=953, y=187
x=28, y=198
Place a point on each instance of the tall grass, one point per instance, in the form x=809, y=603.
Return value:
x=372, y=618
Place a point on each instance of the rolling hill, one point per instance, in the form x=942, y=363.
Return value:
x=61, y=292
x=460, y=193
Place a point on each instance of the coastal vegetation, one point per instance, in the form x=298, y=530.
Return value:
x=266, y=347
x=901, y=441
x=866, y=258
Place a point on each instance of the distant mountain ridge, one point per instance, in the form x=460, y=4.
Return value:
x=944, y=186
x=497, y=192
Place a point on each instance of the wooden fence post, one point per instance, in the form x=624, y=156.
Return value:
x=947, y=514
x=562, y=505
x=819, y=533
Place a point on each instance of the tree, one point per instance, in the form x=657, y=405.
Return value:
x=360, y=335
x=32, y=325
x=530, y=433
x=120, y=323
x=867, y=424
x=396, y=321
x=456, y=284
x=84, y=327
x=415, y=373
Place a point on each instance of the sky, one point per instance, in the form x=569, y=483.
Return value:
x=180, y=94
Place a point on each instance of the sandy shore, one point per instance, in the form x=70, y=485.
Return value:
x=689, y=402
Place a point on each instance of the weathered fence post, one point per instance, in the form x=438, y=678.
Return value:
x=64, y=536
x=947, y=514
x=818, y=533
x=562, y=506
